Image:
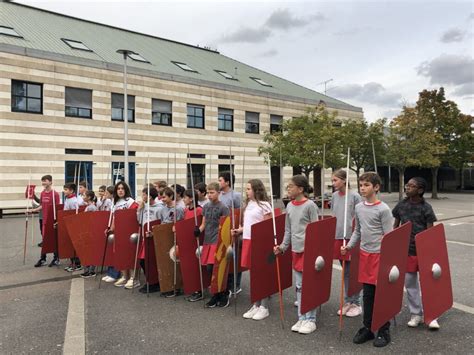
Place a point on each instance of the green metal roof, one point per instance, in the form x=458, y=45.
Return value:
x=43, y=31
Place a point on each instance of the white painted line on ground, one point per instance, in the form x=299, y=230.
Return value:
x=460, y=243
x=456, y=305
x=74, y=338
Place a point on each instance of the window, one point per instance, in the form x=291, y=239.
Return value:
x=161, y=112
x=197, y=156
x=78, y=151
x=195, y=116
x=226, y=157
x=199, y=173
x=275, y=123
x=27, y=97
x=225, y=75
x=252, y=122
x=9, y=31
x=260, y=81
x=82, y=169
x=225, y=120
x=185, y=67
x=76, y=44
x=225, y=168
x=117, y=107
x=137, y=57
x=78, y=103
x=131, y=153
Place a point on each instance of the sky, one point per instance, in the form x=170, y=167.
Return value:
x=377, y=55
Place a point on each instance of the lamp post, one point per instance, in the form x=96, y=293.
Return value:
x=125, y=53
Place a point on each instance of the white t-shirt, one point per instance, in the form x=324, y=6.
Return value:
x=254, y=213
x=123, y=204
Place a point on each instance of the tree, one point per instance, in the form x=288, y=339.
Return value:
x=359, y=135
x=441, y=116
x=461, y=148
x=302, y=139
x=408, y=144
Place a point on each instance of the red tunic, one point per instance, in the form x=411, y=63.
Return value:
x=297, y=261
x=412, y=263
x=208, y=254
x=368, y=267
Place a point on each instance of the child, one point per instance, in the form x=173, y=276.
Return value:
x=123, y=200
x=414, y=209
x=299, y=213
x=255, y=209
x=101, y=197
x=159, y=186
x=230, y=198
x=89, y=200
x=351, y=306
x=179, y=196
x=82, y=191
x=373, y=221
x=112, y=274
x=189, y=203
x=145, y=214
x=167, y=215
x=212, y=213
x=201, y=190
x=70, y=204
x=46, y=200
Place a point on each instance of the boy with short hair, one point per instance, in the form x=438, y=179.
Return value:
x=373, y=220
x=46, y=200
x=71, y=203
x=82, y=191
x=212, y=213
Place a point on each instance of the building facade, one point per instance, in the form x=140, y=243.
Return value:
x=62, y=106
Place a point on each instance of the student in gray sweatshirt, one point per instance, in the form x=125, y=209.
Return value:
x=373, y=221
x=351, y=307
x=299, y=213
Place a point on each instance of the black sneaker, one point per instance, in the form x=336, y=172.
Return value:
x=166, y=294
x=224, y=299
x=40, y=244
x=41, y=262
x=151, y=288
x=213, y=301
x=54, y=262
x=175, y=293
x=77, y=268
x=363, y=335
x=85, y=275
x=196, y=296
x=383, y=338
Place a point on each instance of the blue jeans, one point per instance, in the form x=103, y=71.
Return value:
x=113, y=273
x=354, y=299
x=311, y=315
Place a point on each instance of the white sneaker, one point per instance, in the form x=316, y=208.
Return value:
x=109, y=279
x=296, y=327
x=307, y=327
x=415, y=321
x=262, y=313
x=132, y=283
x=251, y=312
x=354, y=311
x=345, y=308
x=120, y=282
x=105, y=277
x=434, y=325
x=295, y=303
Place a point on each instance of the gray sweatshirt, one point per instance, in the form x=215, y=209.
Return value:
x=297, y=218
x=70, y=203
x=372, y=223
x=337, y=208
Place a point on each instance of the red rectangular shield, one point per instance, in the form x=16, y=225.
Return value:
x=435, y=276
x=163, y=238
x=125, y=222
x=187, y=245
x=151, y=272
x=222, y=263
x=263, y=271
x=87, y=233
x=317, y=263
x=393, y=263
x=354, y=285
x=65, y=247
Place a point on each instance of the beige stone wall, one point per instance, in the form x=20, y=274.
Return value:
x=34, y=145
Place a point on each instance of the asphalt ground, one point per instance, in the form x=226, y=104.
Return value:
x=37, y=306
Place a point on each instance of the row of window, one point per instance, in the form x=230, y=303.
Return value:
x=28, y=97
x=78, y=45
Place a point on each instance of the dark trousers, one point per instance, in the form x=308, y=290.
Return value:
x=369, y=298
